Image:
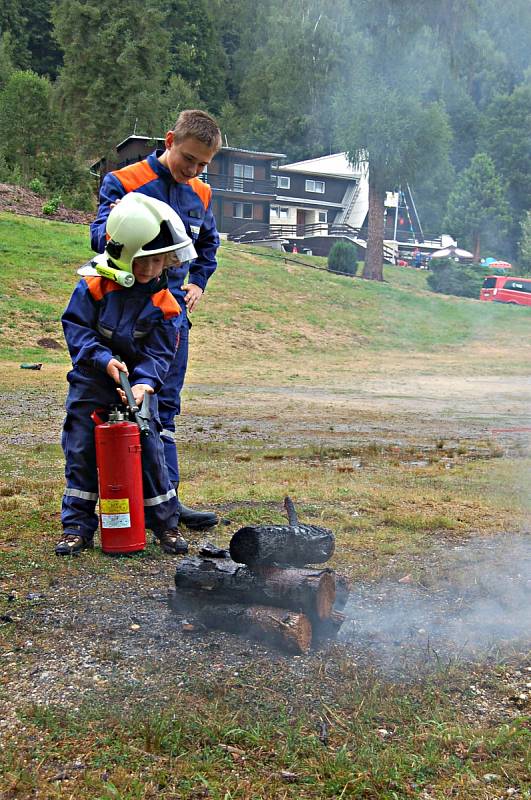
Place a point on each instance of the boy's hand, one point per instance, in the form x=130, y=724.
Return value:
x=139, y=390
x=193, y=295
x=114, y=367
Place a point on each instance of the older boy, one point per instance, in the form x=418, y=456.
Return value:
x=172, y=175
x=106, y=324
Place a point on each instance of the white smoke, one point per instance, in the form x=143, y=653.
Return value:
x=473, y=600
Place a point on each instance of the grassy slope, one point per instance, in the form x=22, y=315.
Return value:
x=258, y=304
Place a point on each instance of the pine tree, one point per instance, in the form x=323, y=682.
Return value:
x=115, y=69
x=477, y=207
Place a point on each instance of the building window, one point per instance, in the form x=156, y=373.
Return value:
x=315, y=186
x=280, y=211
x=242, y=210
x=283, y=182
x=322, y=216
x=244, y=171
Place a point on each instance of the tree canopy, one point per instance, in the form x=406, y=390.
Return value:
x=422, y=88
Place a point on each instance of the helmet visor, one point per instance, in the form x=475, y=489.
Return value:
x=185, y=252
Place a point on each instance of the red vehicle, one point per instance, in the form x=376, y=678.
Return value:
x=505, y=289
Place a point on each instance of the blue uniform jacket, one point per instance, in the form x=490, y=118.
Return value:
x=191, y=201
x=139, y=324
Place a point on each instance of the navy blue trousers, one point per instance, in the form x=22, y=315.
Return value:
x=88, y=392
x=170, y=401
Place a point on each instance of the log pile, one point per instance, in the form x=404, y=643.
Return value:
x=262, y=588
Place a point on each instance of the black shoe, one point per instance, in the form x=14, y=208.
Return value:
x=172, y=542
x=72, y=544
x=196, y=520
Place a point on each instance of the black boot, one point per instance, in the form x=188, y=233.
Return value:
x=195, y=520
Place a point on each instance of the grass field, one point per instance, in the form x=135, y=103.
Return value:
x=394, y=416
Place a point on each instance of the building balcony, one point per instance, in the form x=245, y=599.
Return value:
x=229, y=183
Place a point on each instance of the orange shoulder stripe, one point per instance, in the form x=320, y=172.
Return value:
x=135, y=175
x=167, y=303
x=99, y=287
x=203, y=190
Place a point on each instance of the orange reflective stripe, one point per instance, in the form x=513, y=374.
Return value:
x=167, y=303
x=99, y=287
x=203, y=190
x=135, y=175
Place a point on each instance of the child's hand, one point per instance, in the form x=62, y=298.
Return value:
x=139, y=390
x=114, y=367
x=192, y=296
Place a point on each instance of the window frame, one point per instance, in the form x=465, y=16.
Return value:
x=244, y=168
x=315, y=183
x=241, y=203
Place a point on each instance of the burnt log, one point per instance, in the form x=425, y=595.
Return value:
x=343, y=587
x=328, y=628
x=290, y=631
x=310, y=591
x=282, y=545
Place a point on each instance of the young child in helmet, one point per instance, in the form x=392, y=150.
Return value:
x=122, y=317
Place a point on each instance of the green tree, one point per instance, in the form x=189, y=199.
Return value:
x=45, y=56
x=505, y=137
x=28, y=128
x=6, y=58
x=115, y=69
x=196, y=51
x=285, y=101
x=13, y=20
x=385, y=112
x=477, y=206
x=178, y=95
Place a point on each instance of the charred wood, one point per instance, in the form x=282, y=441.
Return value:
x=290, y=631
x=293, y=545
x=343, y=587
x=307, y=590
x=328, y=628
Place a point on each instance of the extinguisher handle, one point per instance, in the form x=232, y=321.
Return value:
x=143, y=416
x=126, y=386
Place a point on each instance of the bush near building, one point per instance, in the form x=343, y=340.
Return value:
x=343, y=258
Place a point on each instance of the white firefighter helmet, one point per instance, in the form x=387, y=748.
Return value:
x=143, y=226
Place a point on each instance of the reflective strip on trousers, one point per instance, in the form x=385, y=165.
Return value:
x=80, y=493
x=166, y=432
x=162, y=498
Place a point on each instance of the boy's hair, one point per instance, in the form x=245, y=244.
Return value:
x=200, y=126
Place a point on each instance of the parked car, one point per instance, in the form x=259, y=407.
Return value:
x=506, y=289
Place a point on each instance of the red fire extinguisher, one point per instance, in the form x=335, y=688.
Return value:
x=118, y=458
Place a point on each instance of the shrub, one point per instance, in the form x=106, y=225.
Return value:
x=51, y=206
x=37, y=186
x=343, y=258
x=449, y=277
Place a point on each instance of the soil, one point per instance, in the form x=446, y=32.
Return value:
x=19, y=200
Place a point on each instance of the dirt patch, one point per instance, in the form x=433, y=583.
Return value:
x=19, y=200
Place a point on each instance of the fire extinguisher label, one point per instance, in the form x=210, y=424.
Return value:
x=115, y=521
x=109, y=506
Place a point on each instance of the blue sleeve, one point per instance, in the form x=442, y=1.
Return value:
x=157, y=355
x=111, y=191
x=206, y=245
x=79, y=326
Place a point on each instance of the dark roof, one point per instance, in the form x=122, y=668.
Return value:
x=158, y=139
